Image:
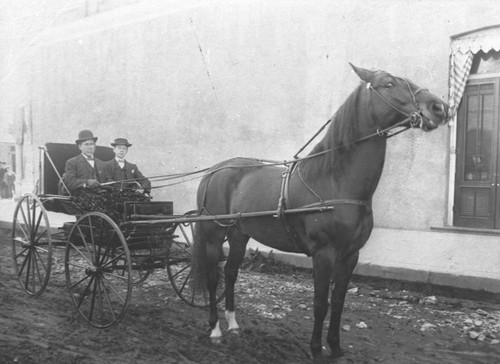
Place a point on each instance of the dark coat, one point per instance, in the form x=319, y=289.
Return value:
x=130, y=172
x=78, y=170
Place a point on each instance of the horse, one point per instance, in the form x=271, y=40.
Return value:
x=340, y=173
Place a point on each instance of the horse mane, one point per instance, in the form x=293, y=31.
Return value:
x=340, y=138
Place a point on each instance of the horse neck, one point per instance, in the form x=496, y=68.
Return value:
x=354, y=170
x=360, y=176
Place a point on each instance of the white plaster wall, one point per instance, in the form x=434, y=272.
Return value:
x=269, y=74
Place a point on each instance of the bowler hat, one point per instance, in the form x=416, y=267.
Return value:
x=121, y=141
x=85, y=135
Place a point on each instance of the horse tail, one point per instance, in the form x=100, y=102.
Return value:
x=199, y=263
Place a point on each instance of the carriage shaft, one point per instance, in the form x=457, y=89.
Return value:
x=160, y=219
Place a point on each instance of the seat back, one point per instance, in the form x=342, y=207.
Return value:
x=59, y=153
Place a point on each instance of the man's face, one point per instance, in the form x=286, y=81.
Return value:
x=120, y=151
x=87, y=147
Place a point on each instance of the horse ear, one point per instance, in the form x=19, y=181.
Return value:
x=362, y=73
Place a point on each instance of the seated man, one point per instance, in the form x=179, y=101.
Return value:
x=84, y=170
x=120, y=169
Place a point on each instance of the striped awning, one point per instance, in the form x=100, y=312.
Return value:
x=463, y=48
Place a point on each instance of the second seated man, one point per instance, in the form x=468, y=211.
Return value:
x=121, y=170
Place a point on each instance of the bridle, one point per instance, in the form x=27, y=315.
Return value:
x=412, y=120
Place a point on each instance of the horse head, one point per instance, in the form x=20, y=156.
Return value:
x=395, y=100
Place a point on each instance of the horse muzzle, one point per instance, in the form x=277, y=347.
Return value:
x=432, y=117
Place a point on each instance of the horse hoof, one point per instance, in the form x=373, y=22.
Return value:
x=216, y=340
x=337, y=353
x=319, y=359
x=234, y=332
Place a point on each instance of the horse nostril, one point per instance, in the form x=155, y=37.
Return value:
x=438, y=108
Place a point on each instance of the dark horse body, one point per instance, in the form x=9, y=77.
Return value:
x=343, y=171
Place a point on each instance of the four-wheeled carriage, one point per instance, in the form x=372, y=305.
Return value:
x=119, y=237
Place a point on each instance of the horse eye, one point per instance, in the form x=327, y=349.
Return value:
x=389, y=85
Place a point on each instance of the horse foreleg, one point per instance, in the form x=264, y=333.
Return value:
x=342, y=276
x=323, y=261
x=237, y=244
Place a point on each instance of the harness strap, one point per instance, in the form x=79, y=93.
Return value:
x=282, y=206
x=344, y=201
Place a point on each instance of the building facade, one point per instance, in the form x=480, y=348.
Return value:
x=191, y=83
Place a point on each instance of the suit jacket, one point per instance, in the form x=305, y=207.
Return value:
x=129, y=172
x=78, y=170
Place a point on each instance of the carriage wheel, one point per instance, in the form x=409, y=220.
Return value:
x=98, y=270
x=31, y=244
x=179, y=266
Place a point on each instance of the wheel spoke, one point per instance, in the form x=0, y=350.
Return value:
x=37, y=253
x=92, y=300
x=33, y=214
x=100, y=300
x=181, y=270
x=28, y=270
x=184, y=283
x=92, y=241
x=28, y=218
x=114, y=259
x=36, y=267
x=30, y=231
x=81, y=253
x=25, y=219
x=21, y=227
x=111, y=287
x=40, y=236
x=120, y=277
x=108, y=301
x=184, y=234
x=86, y=291
x=85, y=244
x=80, y=281
x=25, y=260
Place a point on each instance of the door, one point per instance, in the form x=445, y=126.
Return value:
x=477, y=179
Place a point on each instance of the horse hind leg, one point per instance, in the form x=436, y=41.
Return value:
x=208, y=242
x=237, y=248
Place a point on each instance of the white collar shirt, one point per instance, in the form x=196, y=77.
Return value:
x=121, y=162
x=90, y=160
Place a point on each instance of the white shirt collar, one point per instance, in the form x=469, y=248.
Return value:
x=91, y=162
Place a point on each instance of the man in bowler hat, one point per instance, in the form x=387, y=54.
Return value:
x=84, y=170
x=121, y=170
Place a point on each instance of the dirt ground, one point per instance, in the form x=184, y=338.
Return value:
x=380, y=325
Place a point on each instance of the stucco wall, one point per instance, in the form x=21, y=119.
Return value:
x=194, y=82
